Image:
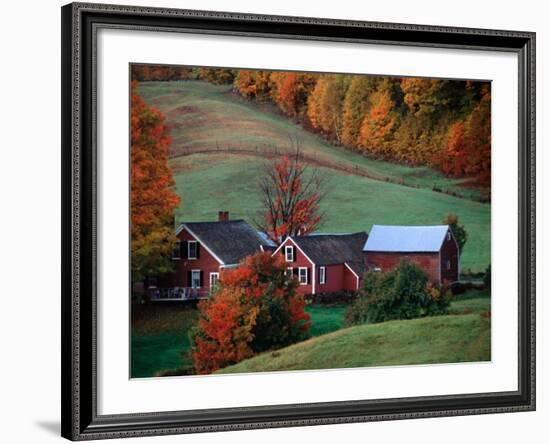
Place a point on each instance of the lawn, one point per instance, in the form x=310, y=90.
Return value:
x=160, y=339
x=205, y=117
x=439, y=339
x=325, y=319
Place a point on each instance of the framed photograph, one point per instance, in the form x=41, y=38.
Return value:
x=280, y=221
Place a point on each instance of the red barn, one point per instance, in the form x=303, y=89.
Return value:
x=204, y=249
x=432, y=248
x=325, y=262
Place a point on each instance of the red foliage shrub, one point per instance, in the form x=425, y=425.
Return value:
x=255, y=308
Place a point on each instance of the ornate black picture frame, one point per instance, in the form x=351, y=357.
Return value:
x=80, y=22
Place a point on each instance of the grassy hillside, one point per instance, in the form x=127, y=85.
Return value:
x=160, y=339
x=441, y=339
x=206, y=120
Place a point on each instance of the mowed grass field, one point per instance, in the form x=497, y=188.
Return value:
x=160, y=339
x=206, y=117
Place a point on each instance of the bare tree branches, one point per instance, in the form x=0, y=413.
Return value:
x=291, y=194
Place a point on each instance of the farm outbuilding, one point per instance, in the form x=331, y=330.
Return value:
x=432, y=248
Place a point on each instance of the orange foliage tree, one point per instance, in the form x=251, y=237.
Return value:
x=255, y=308
x=325, y=105
x=290, y=194
x=153, y=200
x=468, y=148
x=479, y=140
x=355, y=106
x=378, y=125
x=290, y=91
x=253, y=84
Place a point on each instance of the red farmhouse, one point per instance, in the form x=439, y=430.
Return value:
x=325, y=262
x=432, y=248
x=204, y=249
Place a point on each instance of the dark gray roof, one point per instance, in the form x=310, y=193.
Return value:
x=406, y=238
x=358, y=267
x=326, y=249
x=231, y=240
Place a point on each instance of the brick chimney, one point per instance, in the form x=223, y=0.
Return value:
x=223, y=216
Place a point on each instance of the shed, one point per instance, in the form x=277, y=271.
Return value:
x=433, y=248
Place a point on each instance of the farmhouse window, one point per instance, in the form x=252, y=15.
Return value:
x=322, y=275
x=196, y=279
x=289, y=253
x=303, y=275
x=448, y=264
x=176, y=253
x=192, y=250
x=448, y=236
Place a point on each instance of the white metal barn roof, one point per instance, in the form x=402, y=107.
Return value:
x=405, y=238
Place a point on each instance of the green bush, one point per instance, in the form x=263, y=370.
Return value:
x=403, y=293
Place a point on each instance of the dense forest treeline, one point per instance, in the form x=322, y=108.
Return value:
x=445, y=124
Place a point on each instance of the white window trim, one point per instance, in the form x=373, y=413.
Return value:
x=189, y=249
x=217, y=274
x=322, y=275
x=289, y=248
x=192, y=279
x=300, y=275
x=178, y=248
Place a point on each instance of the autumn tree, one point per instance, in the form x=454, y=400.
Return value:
x=356, y=103
x=378, y=125
x=468, y=148
x=153, y=200
x=253, y=84
x=291, y=194
x=218, y=76
x=325, y=105
x=290, y=91
x=432, y=97
x=454, y=158
x=256, y=308
x=459, y=232
x=479, y=140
